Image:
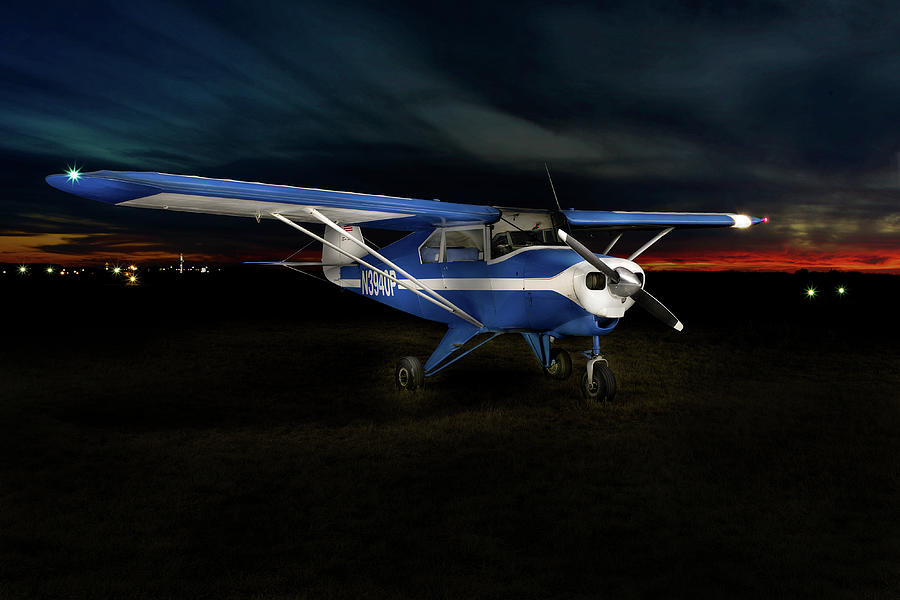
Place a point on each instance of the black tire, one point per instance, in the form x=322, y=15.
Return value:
x=609, y=380
x=560, y=364
x=409, y=374
x=604, y=387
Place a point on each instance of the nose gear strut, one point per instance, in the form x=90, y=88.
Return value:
x=598, y=382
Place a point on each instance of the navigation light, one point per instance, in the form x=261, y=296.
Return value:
x=73, y=174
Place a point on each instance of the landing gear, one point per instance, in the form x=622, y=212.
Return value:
x=603, y=384
x=598, y=382
x=409, y=374
x=560, y=364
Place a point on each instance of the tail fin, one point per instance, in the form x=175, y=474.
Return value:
x=335, y=259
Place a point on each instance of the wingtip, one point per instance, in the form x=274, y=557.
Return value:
x=57, y=181
x=679, y=326
x=562, y=234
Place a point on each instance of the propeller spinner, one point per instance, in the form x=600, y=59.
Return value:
x=624, y=283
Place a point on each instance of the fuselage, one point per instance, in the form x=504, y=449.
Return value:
x=538, y=288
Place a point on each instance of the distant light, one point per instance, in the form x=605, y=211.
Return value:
x=132, y=279
x=841, y=291
x=23, y=269
x=73, y=173
x=811, y=292
x=50, y=270
x=132, y=268
x=117, y=270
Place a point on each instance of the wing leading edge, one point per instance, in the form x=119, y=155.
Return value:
x=240, y=198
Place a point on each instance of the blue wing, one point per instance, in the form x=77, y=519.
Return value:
x=240, y=198
x=614, y=219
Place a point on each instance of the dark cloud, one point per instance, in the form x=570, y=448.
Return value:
x=780, y=108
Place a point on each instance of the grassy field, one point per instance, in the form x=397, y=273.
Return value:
x=247, y=442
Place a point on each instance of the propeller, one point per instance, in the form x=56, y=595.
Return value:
x=624, y=283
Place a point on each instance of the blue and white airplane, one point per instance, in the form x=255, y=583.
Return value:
x=479, y=269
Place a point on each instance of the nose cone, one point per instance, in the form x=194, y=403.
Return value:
x=628, y=283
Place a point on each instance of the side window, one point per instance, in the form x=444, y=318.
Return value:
x=430, y=252
x=465, y=245
x=456, y=245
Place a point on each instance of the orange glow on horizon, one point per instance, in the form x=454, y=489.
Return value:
x=37, y=248
x=785, y=260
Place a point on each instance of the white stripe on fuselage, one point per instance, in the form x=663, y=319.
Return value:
x=499, y=284
x=561, y=283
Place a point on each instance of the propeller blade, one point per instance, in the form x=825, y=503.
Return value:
x=588, y=256
x=630, y=285
x=657, y=309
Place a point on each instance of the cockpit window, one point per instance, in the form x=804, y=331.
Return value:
x=507, y=241
x=455, y=245
x=430, y=251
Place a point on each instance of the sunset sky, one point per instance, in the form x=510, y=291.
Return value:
x=787, y=110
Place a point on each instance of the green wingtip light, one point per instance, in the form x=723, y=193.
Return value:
x=841, y=291
x=73, y=173
x=811, y=292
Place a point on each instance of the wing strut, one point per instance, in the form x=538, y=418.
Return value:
x=652, y=241
x=456, y=310
x=440, y=301
x=611, y=244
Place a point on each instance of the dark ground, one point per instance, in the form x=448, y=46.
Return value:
x=239, y=436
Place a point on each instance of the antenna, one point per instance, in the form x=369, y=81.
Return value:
x=546, y=168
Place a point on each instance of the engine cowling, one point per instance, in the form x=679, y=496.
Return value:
x=598, y=296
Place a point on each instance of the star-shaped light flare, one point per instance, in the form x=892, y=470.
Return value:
x=73, y=173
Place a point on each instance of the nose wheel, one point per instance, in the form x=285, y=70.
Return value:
x=599, y=386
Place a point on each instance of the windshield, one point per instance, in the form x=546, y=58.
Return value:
x=529, y=238
x=507, y=241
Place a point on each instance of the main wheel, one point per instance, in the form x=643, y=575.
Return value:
x=560, y=364
x=409, y=374
x=603, y=386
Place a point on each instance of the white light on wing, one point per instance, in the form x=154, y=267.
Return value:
x=741, y=221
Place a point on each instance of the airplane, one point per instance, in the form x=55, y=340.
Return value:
x=481, y=270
